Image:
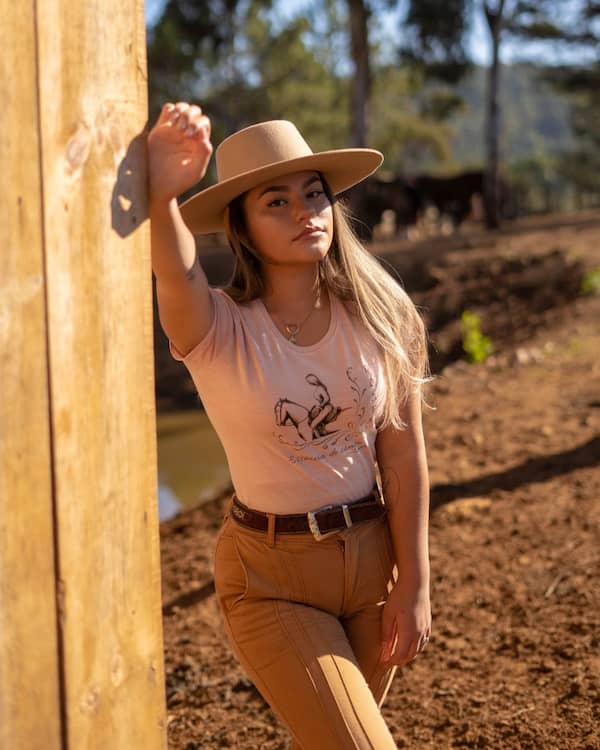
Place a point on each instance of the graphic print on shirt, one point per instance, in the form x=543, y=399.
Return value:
x=320, y=422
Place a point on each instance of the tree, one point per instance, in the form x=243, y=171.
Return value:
x=581, y=164
x=439, y=45
x=188, y=36
x=494, y=12
x=358, y=16
x=434, y=38
x=529, y=20
x=251, y=64
x=246, y=67
x=408, y=123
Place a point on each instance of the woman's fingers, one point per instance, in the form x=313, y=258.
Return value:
x=178, y=117
x=198, y=124
x=407, y=647
x=178, y=114
x=388, y=636
x=165, y=112
x=170, y=112
x=406, y=650
x=387, y=649
x=186, y=118
x=190, y=120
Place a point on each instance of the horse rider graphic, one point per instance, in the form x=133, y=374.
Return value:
x=310, y=423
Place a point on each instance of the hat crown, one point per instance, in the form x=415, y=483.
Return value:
x=259, y=146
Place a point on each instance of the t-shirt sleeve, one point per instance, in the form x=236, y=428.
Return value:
x=220, y=338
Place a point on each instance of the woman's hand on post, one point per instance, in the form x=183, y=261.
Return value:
x=405, y=625
x=179, y=150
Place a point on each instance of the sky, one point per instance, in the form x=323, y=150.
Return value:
x=478, y=43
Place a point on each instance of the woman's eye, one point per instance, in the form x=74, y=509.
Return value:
x=315, y=193
x=276, y=202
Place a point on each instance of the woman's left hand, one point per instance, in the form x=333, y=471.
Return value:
x=406, y=623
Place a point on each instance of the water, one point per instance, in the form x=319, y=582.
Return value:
x=192, y=467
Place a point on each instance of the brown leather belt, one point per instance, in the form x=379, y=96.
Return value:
x=320, y=522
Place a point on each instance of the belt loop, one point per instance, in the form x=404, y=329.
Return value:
x=228, y=507
x=271, y=529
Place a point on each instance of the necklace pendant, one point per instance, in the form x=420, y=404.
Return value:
x=292, y=330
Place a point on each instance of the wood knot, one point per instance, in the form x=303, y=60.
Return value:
x=78, y=150
x=90, y=702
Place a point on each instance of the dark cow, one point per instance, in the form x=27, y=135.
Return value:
x=452, y=196
x=455, y=198
x=371, y=198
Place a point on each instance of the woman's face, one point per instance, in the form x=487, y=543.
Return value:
x=289, y=219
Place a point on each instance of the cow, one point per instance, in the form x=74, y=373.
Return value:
x=454, y=196
x=375, y=196
x=420, y=203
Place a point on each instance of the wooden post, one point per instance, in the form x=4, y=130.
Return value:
x=81, y=654
x=29, y=668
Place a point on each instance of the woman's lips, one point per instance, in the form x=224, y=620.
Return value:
x=308, y=232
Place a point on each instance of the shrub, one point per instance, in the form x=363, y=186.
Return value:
x=590, y=284
x=476, y=346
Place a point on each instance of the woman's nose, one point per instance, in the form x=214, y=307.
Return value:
x=302, y=207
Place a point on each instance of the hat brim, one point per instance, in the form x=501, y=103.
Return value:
x=204, y=212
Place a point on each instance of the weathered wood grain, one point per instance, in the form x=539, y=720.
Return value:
x=93, y=109
x=29, y=663
x=81, y=166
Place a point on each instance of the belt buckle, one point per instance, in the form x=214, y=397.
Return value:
x=313, y=524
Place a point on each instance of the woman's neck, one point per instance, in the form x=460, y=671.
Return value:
x=290, y=290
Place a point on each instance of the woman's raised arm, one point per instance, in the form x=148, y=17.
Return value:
x=179, y=150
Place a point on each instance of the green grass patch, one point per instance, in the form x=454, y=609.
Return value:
x=475, y=344
x=590, y=284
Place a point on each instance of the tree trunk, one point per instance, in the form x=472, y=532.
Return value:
x=494, y=18
x=361, y=80
x=359, y=100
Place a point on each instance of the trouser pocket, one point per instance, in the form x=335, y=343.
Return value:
x=231, y=579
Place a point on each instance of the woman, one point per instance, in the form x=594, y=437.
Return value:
x=310, y=366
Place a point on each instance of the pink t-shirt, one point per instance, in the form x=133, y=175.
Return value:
x=297, y=423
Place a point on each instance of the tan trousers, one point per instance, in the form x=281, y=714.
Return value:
x=303, y=617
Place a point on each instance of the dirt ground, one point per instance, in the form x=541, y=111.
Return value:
x=514, y=452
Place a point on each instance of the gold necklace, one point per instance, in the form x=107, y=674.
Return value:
x=293, y=329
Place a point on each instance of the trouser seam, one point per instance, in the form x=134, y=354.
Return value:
x=278, y=604
x=267, y=693
x=384, y=676
x=303, y=630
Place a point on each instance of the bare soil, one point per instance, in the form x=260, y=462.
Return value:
x=514, y=451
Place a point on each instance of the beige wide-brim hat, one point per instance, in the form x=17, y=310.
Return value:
x=270, y=149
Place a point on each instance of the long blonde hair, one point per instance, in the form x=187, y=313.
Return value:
x=351, y=273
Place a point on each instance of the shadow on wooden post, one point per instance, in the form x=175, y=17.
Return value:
x=129, y=207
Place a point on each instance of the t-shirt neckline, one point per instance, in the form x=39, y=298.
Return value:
x=333, y=312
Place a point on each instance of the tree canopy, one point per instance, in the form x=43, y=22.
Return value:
x=321, y=65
